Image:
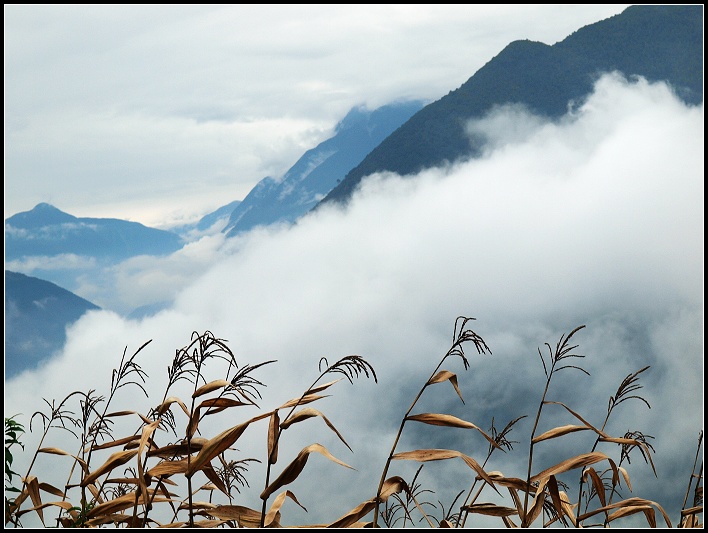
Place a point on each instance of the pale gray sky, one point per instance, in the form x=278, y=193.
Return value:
x=159, y=114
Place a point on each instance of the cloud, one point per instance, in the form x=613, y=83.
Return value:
x=594, y=220
x=150, y=113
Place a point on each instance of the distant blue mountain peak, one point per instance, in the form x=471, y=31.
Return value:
x=317, y=172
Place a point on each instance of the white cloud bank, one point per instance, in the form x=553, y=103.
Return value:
x=596, y=220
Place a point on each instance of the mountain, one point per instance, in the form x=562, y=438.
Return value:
x=37, y=314
x=47, y=231
x=657, y=42
x=320, y=169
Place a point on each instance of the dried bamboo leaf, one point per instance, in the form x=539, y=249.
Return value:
x=168, y=468
x=64, y=505
x=437, y=419
x=320, y=388
x=578, y=461
x=597, y=483
x=115, y=519
x=174, y=450
x=491, y=509
x=126, y=413
x=114, y=506
x=628, y=503
x=208, y=523
x=46, y=487
x=352, y=517
x=620, y=440
x=211, y=386
x=692, y=511
x=555, y=496
x=220, y=443
x=391, y=486
x=537, y=504
x=445, y=375
x=244, y=516
x=116, y=459
x=119, y=442
x=290, y=473
x=558, y=432
x=308, y=398
x=273, y=437
x=164, y=406
x=441, y=455
x=32, y=486
x=145, y=436
x=214, y=478
x=309, y=412
x=568, y=508
x=576, y=415
x=216, y=405
x=277, y=504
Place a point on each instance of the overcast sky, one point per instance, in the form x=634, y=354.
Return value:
x=596, y=219
x=160, y=114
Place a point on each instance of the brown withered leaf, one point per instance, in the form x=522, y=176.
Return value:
x=123, y=502
x=353, y=516
x=568, y=508
x=558, y=432
x=536, y=506
x=576, y=415
x=208, y=523
x=578, y=461
x=437, y=419
x=273, y=437
x=214, y=478
x=116, y=459
x=126, y=413
x=211, y=386
x=597, y=483
x=58, y=451
x=440, y=455
x=164, y=406
x=147, y=432
x=174, y=450
x=46, y=487
x=168, y=468
x=309, y=412
x=119, y=442
x=320, y=388
x=32, y=487
x=215, y=446
x=277, y=504
x=308, y=398
x=444, y=375
x=491, y=509
x=64, y=505
x=626, y=506
x=391, y=486
x=555, y=496
x=290, y=473
x=216, y=405
x=244, y=516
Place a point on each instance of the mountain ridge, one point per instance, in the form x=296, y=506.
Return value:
x=37, y=313
x=660, y=43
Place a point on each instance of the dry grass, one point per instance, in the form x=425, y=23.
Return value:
x=130, y=480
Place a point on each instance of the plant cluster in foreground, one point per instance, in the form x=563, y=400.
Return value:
x=137, y=479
